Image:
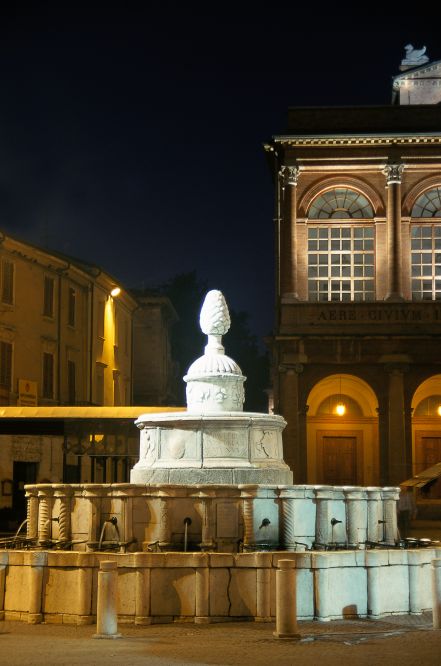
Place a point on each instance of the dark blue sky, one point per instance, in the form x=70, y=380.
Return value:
x=133, y=138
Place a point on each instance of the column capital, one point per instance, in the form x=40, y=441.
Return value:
x=289, y=175
x=393, y=172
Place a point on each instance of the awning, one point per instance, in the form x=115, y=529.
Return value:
x=423, y=478
x=82, y=412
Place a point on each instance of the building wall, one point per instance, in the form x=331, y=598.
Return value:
x=154, y=372
x=79, y=338
x=390, y=339
x=65, y=340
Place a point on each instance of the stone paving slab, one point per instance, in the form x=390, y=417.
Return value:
x=393, y=641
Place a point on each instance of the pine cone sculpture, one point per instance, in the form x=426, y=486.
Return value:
x=214, y=318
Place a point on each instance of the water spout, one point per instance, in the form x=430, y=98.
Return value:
x=25, y=522
x=334, y=522
x=113, y=521
x=187, y=522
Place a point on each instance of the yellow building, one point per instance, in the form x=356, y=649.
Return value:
x=70, y=335
x=356, y=352
x=64, y=338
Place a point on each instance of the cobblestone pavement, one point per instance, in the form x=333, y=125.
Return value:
x=393, y=641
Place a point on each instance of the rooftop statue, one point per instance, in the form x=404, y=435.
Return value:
x=414, y=57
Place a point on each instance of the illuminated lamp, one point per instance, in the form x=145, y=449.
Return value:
x=340, y=409
x=438, y=411
x=115, y=292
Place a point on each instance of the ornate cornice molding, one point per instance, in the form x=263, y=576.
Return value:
x=360, y=140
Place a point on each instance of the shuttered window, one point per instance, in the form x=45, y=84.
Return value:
x=7, y=282
x=6, y=365
x=48, y=300
x=48, y=375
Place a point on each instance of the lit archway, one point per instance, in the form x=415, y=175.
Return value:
x=426, y=431
x=342, y=432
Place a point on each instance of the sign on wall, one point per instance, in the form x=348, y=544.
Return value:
x=27, y=393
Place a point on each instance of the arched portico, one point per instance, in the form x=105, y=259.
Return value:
x=342, y=432
x=426, y=431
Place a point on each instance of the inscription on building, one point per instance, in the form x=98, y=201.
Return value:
x=381, y=314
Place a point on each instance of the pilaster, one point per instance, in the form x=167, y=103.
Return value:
x=288, y=237
x=393, y=172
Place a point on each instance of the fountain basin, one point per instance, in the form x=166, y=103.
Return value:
x=218, y=448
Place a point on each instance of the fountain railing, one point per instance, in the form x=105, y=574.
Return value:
x=211, y=517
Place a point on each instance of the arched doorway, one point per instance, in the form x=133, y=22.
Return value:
x=342, y=432
x=426, y=431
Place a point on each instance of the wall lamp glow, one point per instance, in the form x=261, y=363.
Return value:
x=115, y=292
x=340, y=409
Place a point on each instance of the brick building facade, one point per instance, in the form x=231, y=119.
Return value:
x=356, y=350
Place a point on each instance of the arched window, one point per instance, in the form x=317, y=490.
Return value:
x=340, y=203
x=340, y=253
x=426, y=246
x=428, y=204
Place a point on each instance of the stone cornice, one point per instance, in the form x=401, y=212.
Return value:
x=360, y=140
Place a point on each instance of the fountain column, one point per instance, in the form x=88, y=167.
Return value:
x=125, y=492
x=164, y=528
x=356, y=515
x=44, y=513
x=295, y=514
x=375, y=514
x=32, y=513
x=204, y=507
x=247, y=496
x=63, y=493
x=93, y=495
x=324, y=495
x=390, y=498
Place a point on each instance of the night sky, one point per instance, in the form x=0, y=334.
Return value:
x=133, y=138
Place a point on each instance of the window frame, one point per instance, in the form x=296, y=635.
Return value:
x=339, y=280
x=425, y=275
x=48, y=311
x=6, y=370
x=48, y=375
x=7, y=293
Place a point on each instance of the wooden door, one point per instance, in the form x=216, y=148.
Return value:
x=430, y=454
x=339, y=460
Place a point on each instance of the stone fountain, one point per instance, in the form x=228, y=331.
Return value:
x=210, y=478
x=215, y=441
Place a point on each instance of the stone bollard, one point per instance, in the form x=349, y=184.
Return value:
x=286, y=608
x=436, y=593
x=106, y=612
